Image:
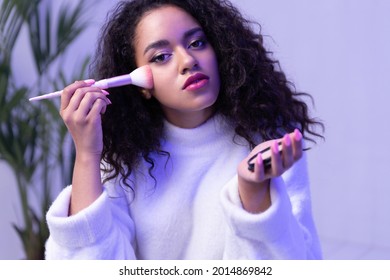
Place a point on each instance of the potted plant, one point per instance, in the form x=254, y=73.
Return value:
x=32, y=136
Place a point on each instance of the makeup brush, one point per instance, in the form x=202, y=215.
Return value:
x=141, y=77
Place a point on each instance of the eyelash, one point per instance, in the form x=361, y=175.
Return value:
x=156, y=58
x=200, y=40
x=162, y=57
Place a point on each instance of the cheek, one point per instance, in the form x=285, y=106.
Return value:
x=162, y=87
x=213, y=64
x=217, y=80
x=164, y=79
x=160, y=80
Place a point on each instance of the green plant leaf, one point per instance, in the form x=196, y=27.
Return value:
x=32, y=136
x=70, y=24
x=12, y=102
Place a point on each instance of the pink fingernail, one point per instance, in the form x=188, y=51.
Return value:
x=275, y=147
x=89, y=81
x=259, y=159
x=105, y=92
x=287, y=140
x=297, y=134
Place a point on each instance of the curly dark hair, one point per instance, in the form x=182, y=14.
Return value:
x=255, y=96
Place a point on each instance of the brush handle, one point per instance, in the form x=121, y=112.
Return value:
x=47, y=96
x=141, y=77
x=102, y=84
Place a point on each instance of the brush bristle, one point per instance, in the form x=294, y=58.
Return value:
x=142, y=77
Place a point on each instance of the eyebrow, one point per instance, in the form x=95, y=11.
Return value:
x=164, y=43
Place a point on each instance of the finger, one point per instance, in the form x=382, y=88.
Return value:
x=287, y=155
x=69, y=91
x=76, y=99
x=297, y=144
x=103, y=110
x=99, y=107
x=80, y=94
x=276, y=160
x=259, y=168
x=89, y=99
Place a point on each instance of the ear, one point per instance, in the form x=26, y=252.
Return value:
x=146, y=93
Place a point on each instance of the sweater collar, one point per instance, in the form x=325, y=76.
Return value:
x=208, y=134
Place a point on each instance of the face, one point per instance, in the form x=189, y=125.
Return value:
x=183, y=63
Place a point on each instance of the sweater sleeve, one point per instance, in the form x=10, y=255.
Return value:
x=104, y=230
x=284, y=231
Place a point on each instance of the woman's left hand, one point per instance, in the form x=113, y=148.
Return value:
x=254, y=185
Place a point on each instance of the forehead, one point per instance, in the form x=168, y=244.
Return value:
x=163, y=22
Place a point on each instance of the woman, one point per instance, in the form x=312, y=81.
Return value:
x=175, y=158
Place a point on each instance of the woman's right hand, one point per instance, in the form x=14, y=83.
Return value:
x=81, y=109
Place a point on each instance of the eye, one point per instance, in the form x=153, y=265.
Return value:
x=160, y=58
x=198, y=44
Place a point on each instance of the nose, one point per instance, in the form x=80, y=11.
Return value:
x=187, y=60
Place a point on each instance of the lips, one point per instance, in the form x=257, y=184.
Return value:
x=195, y=81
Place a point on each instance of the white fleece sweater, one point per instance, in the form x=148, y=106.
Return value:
x=193, y=212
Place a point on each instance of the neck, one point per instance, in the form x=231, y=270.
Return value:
x=189, y=119
x=199, y=140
